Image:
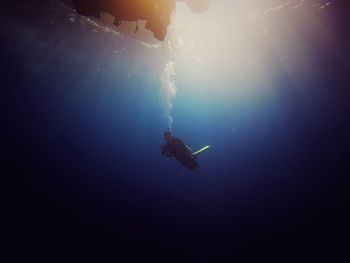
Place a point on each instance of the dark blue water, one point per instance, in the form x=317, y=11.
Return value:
x=83, y=124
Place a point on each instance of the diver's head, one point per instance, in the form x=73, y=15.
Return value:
x=168, y=136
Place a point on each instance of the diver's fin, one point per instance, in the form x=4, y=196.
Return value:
x=201, y=150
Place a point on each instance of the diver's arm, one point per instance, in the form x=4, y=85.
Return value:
x=162, y=149
x=165, y=151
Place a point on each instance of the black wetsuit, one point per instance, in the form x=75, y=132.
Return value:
x=176, y=148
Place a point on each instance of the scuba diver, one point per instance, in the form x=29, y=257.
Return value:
x=174, y=147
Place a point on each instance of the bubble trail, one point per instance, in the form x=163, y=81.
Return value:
x=168, y=92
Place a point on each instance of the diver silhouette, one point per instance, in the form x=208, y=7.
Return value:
x=174, y=147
